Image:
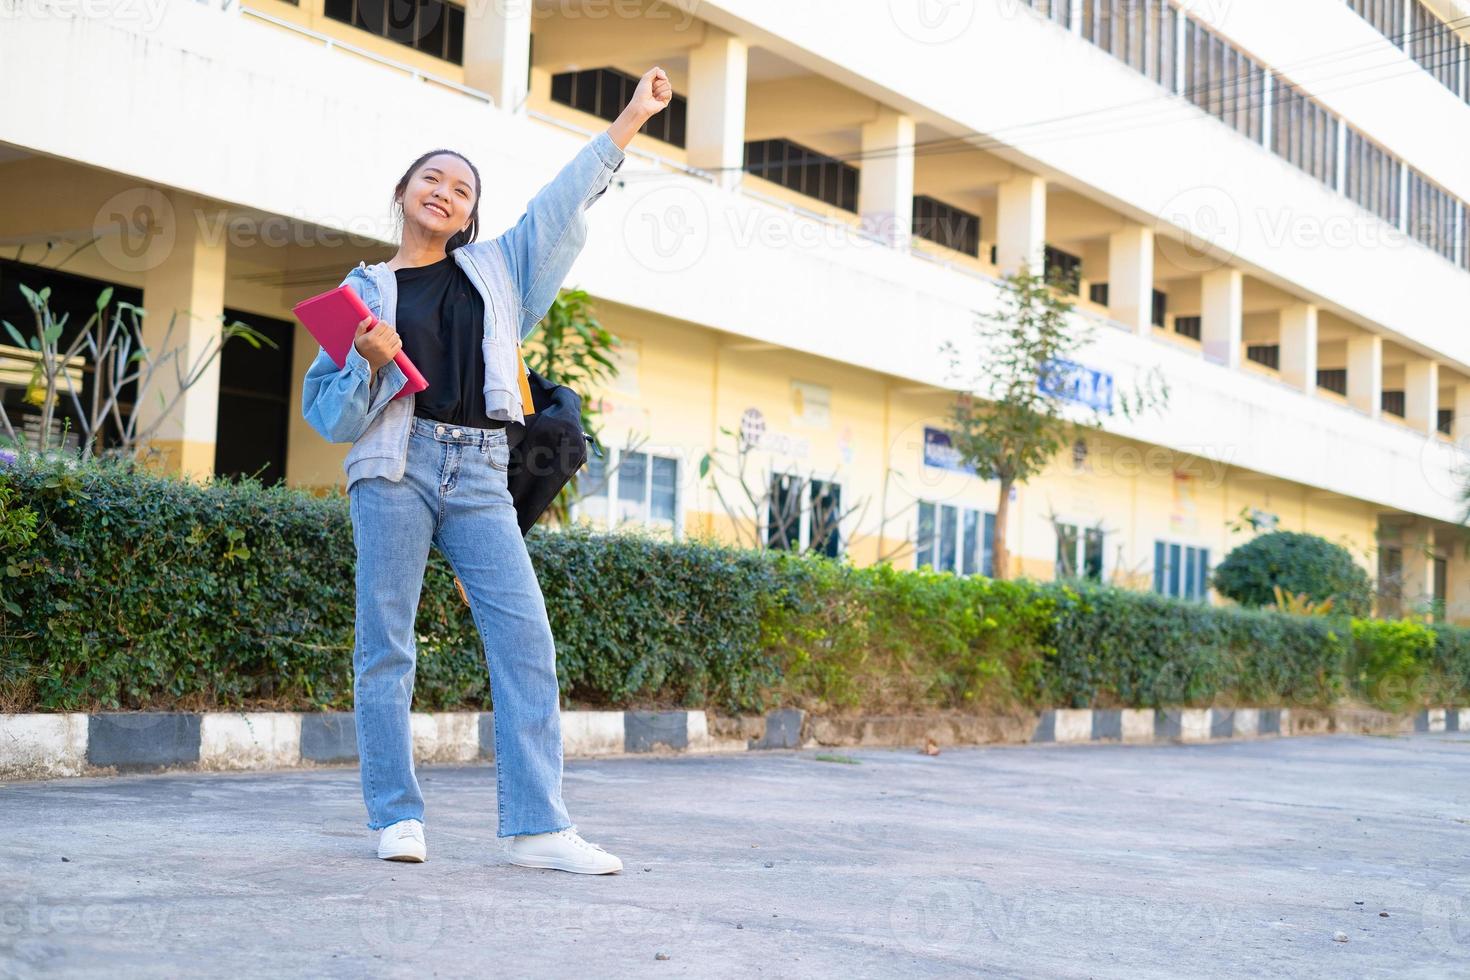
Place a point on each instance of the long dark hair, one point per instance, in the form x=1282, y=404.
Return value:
x=460, y=237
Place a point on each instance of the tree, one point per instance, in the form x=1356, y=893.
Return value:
x=1298, y=565
x=1007, y=422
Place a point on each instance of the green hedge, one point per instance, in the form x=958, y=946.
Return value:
x=124, y=589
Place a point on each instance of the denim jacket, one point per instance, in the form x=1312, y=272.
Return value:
x=518, y=275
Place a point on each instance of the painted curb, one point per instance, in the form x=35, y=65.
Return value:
x=43, y=746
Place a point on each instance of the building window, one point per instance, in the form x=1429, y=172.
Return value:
x=1371, y=177
x=1444, y=420
x=1433, y=216
x=1079, y=556
x=1267, y=354
x=603, y=92
x=1160, y=307
x=1437, y=48
x=810, y=524
x=1441, y=587
x=947, y=225
x=1224, y=81
x=1392, y=403
x=1056, y=10
x=1188, y=326
x=1386, y=15
x=1305, y=133
x=1098, y=293
x=824, y=516
x=1390, y=582
x=955, y=539
x=805, y=171
x=1333, y=379
x=1181, y=571
x=630, y=487
x=1063, y=270
x=1139, y=33
x=431, y=26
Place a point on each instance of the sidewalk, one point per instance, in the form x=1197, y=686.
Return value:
x=1231, y=858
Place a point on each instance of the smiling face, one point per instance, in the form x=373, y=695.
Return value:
x=440, y=196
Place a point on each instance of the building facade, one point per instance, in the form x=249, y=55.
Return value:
x=1262, y=205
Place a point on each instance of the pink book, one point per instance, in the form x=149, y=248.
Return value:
x=332, y=318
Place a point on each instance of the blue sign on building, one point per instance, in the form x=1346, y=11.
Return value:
x=939, y=452
x=1078, y=383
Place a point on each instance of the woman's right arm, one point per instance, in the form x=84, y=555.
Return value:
x=340, y=403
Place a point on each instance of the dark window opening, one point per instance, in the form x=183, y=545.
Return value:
x=1098, y=293
x=823, y=530
x=805, y=171
x=1189, y=326
x=1441, y=587
x=1092, y=554
x=1445, y=420
x=603, y=92
x=1160, y=307
x=783, y=513
x=254, y=402
x=1063, y=270
x=1267, y=354
x=947, y=225
x=1392, y=403
x=1390, y=582
x=1333, y=379
x=431, y=26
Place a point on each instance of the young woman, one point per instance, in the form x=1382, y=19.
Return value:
x=431, y=468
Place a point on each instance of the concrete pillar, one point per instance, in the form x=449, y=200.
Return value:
x=886, y=187
x=715, y=132
x=1421, y=395
x=1418, y=543
x=1131, y=278
x=1298, y=340
x=1365, y=374
x=1221, y=314
x=187, y=287
x=1020, y=234
x=497, y=50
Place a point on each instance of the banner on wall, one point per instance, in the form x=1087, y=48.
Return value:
x=940, y=453
x=1077, y=383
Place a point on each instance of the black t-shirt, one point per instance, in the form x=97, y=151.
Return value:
x=441, y=319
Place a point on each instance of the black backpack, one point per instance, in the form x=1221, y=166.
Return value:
x=546, y=451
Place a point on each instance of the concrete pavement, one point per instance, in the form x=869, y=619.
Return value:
x=1226, y=859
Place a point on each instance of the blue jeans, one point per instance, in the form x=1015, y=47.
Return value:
x=453, y=494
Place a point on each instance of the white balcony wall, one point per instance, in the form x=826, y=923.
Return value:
x=252, y=116
x=1161, y=163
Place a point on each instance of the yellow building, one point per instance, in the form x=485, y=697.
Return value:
x=1246, y=209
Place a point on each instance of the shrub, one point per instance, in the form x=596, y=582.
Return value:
x=140, y=591
x=1389, y=662
x=1301, y=564
x=17, y=533
x=1115, y=648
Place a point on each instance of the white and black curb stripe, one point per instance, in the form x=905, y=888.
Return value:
x=72, y=744
x=1163, y=724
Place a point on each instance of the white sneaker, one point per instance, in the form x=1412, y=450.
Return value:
x=403, y=841
x=563, y=850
